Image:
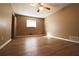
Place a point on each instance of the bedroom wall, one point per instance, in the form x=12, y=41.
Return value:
x=5, y=22
x=64, y=23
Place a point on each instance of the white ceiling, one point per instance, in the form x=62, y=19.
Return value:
x=30, y=9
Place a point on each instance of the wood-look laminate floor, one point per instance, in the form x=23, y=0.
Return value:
x=40, y=46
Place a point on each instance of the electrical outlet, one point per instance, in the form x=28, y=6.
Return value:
x=75, y=38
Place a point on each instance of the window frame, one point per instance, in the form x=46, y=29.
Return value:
x=32, y=20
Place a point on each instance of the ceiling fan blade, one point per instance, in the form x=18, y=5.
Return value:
x=47, y=8
x=39, y=4
x=44, y=6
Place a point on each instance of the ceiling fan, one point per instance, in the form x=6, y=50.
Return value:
x=41, y=6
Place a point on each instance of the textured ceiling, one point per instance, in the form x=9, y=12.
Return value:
x=30, y=9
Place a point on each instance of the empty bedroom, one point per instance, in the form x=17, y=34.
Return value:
x=39, y=29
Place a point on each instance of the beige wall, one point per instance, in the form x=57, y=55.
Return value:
x=21, y=28
x=64, y=23
x=5, y=22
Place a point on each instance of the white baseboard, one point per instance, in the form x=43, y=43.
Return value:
x=5, y=44
x=28, y=35
x=64, y=39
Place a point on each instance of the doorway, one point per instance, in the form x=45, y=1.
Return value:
x=13, y=27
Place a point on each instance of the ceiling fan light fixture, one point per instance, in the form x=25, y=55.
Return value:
x=38, y=10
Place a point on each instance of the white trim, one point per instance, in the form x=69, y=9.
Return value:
x=30, y=35
x=21, y=36
x=5, y=44
x=51, y=36
x=64, y=39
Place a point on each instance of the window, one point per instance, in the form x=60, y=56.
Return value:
x=31, y=22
